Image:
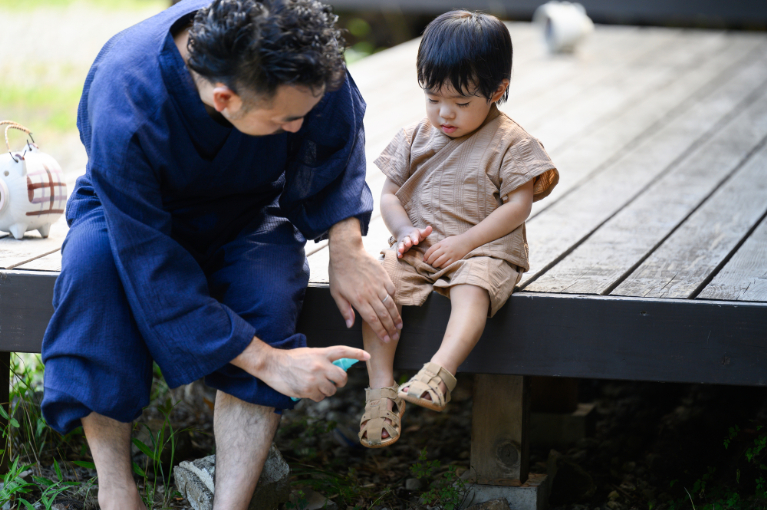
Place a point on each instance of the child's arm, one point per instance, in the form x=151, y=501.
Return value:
x=499, y=223
x=397, y=221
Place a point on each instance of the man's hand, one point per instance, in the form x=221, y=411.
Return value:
x=357, y=280
x=301, y=373
x=410, y=237
x=447, y=251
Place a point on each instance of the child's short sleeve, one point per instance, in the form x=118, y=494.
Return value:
x=523, y=161
x=394, y=161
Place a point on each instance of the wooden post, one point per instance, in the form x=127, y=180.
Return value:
x=5, y=383
x=499, y=448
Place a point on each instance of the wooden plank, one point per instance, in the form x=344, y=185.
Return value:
x=14, y=252
x=624, y=338
x=500, y=419
x=561, y=228
x=591, y=153
x=612, y=252
x=50, y=262
x=688, y=258
x=744, y=278
x=580, y=161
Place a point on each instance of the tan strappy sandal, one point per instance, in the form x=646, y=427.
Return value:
x=427, y=381
x=376, y=414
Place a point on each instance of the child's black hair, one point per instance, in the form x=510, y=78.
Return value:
x=466, y=50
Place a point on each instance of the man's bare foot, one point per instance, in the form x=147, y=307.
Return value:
x=121, y=499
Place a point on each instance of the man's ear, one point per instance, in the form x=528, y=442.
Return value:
x=500, y=91
x=223, y=97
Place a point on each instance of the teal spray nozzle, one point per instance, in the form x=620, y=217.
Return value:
x=344, y=363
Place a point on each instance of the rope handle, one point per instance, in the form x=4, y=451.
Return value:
x=9, y=124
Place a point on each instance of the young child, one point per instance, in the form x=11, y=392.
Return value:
x=459, y=186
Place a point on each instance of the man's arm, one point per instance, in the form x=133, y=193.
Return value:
x=358, y=280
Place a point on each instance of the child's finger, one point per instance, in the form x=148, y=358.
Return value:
x=425, y=232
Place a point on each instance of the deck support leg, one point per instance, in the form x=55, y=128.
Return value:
x=5, y=384
x=500, y=456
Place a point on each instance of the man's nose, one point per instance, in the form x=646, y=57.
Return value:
x=293, y=126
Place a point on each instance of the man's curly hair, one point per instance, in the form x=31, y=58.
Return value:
x=253, y=47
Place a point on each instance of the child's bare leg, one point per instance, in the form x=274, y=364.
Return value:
x=381, y=363
x=468, y=314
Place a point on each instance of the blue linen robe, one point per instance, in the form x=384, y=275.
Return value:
x=173, y=196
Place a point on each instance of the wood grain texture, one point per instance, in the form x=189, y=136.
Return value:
x=744, y=278
x=500, y=420
x=701, y=245
x=580, y=161
x=613, y=251
x=50, y=262
x=554, y=234
x=14, y=252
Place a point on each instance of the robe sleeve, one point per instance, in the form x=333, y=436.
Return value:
x=325, y=174
x=188, y=333
x=525, y=160
x=394, y=161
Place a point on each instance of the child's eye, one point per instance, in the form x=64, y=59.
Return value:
x=462, y=105
x=433, y=101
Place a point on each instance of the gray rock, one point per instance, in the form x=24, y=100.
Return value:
x=413, y=484
x=312, y=500
x=195, y=481
x=495, y=504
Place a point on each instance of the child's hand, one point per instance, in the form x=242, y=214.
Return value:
x=447, y=251
x=409, y=237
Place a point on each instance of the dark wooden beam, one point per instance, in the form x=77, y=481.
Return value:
x=603, y=337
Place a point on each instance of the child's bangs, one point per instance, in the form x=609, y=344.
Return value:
x=462, y=78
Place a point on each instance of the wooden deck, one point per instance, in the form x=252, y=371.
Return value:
x=649, y=259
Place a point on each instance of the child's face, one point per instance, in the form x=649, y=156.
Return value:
x=455, y=114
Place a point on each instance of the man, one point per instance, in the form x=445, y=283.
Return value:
x=219, y=138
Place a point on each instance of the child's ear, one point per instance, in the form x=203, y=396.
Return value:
x=498, y=94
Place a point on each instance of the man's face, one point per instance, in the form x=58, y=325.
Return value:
x=284, y=112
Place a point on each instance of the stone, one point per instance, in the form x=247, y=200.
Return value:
x=613, y=495
x=413, y=484
x=195, y=481
x=494, y=504
x=531, y=495
x=311, y=500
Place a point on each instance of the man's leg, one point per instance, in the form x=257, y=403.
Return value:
x=262, y=276
x=109, y=441
x=98, y=371
x=244, y=434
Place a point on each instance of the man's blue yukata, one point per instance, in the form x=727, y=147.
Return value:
x=186, y=237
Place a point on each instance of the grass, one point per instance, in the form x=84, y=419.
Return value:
x=46, y=107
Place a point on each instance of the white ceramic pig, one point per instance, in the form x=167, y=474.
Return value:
x=32, y=191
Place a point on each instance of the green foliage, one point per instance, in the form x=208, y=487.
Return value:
x=446, y=490
x=711, y=490
x=162, y=439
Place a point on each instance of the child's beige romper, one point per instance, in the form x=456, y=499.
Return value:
x=453, y=184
